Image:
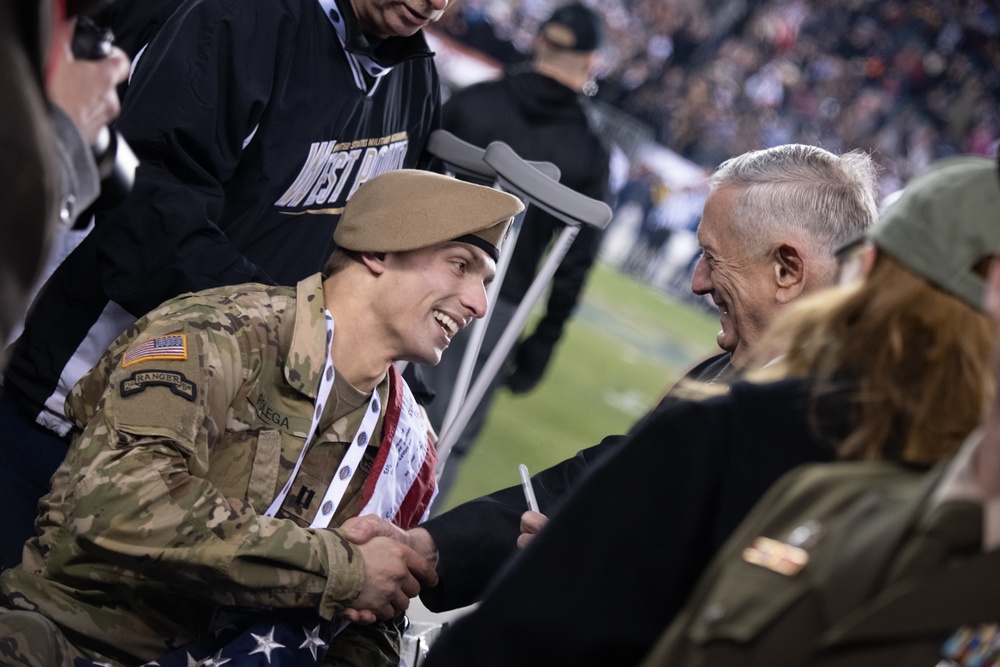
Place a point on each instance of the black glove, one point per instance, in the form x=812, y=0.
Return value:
x=530, y=361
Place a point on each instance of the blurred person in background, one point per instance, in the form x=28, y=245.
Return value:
x=55, y=106
x=537, y=110
x=651, y=235
x=678, y=211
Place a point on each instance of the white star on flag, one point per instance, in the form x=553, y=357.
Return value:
x=312, y=641
x=272, y=635
x=266, y=644
x=217, y=660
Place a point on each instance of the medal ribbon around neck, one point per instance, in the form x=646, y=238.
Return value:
x=351, y=462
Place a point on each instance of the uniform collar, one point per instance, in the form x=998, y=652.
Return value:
x=307, y=355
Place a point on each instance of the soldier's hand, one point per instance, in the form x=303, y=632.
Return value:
x=363, y=528
x=531, y=524
x=393, y=572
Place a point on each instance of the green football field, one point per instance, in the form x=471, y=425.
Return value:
x=625, y=344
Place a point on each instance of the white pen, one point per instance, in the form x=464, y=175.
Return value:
x=529, y=491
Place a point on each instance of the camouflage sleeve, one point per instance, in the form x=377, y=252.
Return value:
x=138, y=493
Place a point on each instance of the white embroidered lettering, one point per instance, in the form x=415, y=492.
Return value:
x=318, y=154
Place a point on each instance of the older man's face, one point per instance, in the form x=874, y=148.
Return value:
x=397, y=18
x=741, y=286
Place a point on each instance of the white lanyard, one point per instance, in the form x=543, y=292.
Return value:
x=349, y=465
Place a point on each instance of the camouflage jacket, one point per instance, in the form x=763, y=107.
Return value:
x=190, y=425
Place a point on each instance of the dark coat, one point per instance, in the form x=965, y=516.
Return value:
x=620, y=557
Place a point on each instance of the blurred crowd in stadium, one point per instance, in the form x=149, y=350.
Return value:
x=911, y=80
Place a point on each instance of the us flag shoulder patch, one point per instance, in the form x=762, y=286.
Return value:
x=172, y=347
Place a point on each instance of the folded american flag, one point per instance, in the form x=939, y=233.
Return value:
x=289, y=638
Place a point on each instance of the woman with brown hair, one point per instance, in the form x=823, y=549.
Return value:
x=891, y=366
x=905, y=357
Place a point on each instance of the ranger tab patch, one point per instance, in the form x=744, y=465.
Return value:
x=168, y=348
x=174, y=381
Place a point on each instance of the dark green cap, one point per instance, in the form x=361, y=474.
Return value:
x=944, y=223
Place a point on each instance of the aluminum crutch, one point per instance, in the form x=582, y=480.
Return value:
x=574, y=209
x=465, y=160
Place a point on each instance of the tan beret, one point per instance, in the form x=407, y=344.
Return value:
x=409, y=209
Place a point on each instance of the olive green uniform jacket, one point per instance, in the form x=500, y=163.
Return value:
x=191, y=424
x=870, y=592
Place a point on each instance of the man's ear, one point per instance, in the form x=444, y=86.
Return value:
x=789, y=273
x=375, y=261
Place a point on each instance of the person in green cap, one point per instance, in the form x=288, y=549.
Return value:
x=224, y=437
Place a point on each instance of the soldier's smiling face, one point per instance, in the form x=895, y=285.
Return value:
x=431, y=294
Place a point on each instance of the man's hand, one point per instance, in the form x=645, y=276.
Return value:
x=393, y=572
x=360, y=530
x=85, y=89
x=396, y=561
x=531, y=524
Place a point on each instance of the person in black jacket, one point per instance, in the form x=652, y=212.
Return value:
x=538, y=111
x=254, y=122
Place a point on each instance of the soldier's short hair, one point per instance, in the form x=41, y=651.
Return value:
x=339, y=260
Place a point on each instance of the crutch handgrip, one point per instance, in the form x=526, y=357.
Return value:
x=466, y=160
x=523, y=179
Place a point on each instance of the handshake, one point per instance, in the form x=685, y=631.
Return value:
x=398, y=561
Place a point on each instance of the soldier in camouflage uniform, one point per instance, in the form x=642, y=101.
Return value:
x=190, y=491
